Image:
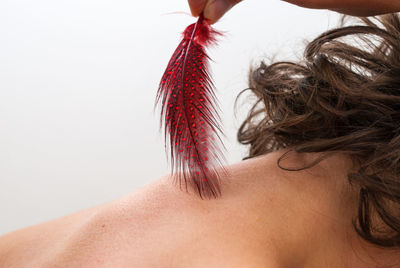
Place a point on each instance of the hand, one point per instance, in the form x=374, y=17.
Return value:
x=352, y=7
x=212, y=10
x=215, y=9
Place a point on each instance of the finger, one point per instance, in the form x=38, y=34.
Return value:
x=315, y=4
x=215, y=9
x=197, y=6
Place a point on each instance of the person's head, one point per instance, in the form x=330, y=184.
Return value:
x=343, y=97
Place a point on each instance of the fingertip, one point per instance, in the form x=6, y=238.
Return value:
x=196, y=7
x=208, y=21
x=214, y=10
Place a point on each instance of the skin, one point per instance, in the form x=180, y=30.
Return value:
x=215, y=9
x=266, y=217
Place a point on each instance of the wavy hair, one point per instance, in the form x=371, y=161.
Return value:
x=344, y=96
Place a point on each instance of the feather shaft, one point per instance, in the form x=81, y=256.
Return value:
x=189, y=113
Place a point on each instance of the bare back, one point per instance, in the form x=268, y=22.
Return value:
x=266, y=217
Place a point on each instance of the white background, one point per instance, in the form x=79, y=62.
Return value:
x=78, y=80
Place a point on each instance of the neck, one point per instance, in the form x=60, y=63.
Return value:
x=321, y=205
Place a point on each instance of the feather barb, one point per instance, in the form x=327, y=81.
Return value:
x=189, y=112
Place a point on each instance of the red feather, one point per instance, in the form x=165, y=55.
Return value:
x=189, y=112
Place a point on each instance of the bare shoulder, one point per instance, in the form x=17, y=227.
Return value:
x=33, y=245
x=162, y=226
x=89, y=236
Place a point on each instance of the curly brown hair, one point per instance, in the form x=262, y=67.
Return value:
x=344, y=96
